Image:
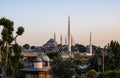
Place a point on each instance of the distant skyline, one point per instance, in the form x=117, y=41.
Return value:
x=42, y=18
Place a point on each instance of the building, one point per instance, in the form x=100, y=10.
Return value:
x=41, y=68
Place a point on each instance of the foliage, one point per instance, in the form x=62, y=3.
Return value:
x=79, y=62
x=92, y=74
x=11, y=53
x=14, y=60
x=80, y=47
x=32, y=47
x=52, y=55
x=110, y=74
x=20, y=30
x=26, y=46
x=93, y=61
x=63, y=68
x=112, y=59
x=83, y=76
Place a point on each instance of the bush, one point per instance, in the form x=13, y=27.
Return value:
x=110, y=74
x=83, y=76
x=92, y=74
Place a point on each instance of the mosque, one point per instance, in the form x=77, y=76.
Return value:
x=53, y=46
x=41, y=67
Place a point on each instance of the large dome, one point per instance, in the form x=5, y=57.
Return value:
x=50, y=43
x=44, y=57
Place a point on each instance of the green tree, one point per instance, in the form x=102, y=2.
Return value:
x=92, y=74
x=11, y=53
x=80, y=47
x=63, y=68
x=19, y=32
x=26, y=46
x=112, y=60
x=7, y=38
x=32, y=47
x=79, y=62
x=93, y=61
x=52, y=55
x=110, y=74
x=15, y=60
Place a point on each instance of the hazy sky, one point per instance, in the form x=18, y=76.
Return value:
x=41, y=18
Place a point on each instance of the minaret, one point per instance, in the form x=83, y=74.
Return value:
x=61, y=39
x=69, y=36
x=54, y=36
x=71, y=40
x=90, y=44
x=65, y=41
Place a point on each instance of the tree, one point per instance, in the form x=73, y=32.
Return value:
x=78, y=62
x=52, y=55
x=110, y=74
x=63, y=68
x=7, y=38
x=92, y=74
x=15, y=61
x=11, y=53
x=32, y=47
x=80, y=47
x=93, y=61
x=26, y=46
x=112, y=60
x=19, y=32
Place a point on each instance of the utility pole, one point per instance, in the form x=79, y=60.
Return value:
x=99, y=63
x=102, y=60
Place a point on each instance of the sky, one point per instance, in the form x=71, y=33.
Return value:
x=42, y=18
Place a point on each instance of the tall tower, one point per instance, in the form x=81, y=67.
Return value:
x=72, y=41
x=61, y=39
x=69, y=36
x=90, y=44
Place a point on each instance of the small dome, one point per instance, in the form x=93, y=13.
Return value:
x=44, y=57
x=38, y=60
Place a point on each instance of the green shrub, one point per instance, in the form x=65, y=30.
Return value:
x=92, y=74
x=83, y=76
x=110, y=74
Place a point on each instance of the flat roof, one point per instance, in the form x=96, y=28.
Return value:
x=31, y=69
